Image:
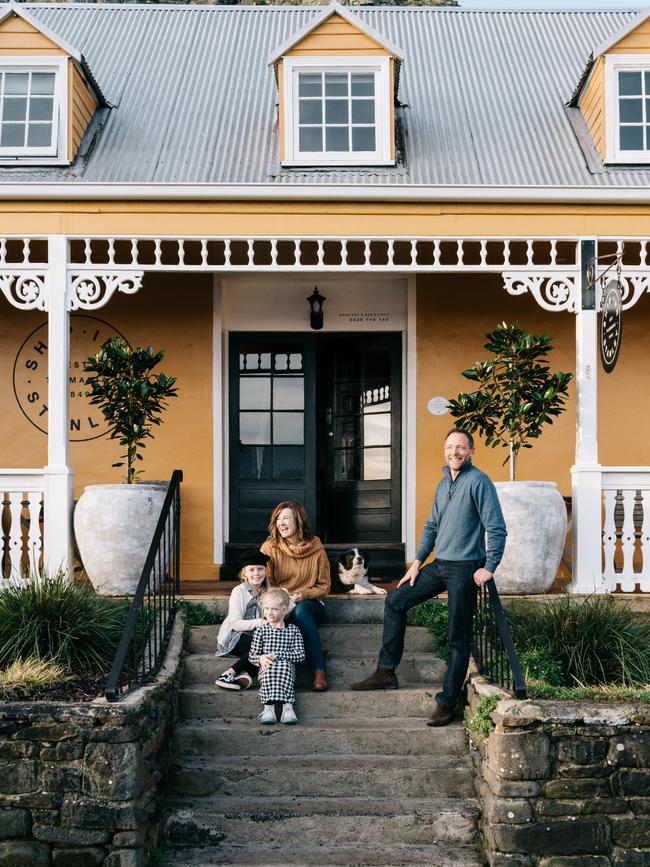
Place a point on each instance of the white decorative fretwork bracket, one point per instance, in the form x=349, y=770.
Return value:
x=634, y=285
x=26, y=290
x=91, y=290
x=553, y=292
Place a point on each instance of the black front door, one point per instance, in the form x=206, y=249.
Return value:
x=316, y=418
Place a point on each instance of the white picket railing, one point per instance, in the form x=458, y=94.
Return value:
x=22, y=515
x=626, y=528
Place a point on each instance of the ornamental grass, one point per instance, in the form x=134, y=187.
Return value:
x=24, y=675
x=57, y=619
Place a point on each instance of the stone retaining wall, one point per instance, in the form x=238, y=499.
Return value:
x=79, y=782
x=564, y=784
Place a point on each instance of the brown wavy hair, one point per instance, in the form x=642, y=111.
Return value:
x=300, y=515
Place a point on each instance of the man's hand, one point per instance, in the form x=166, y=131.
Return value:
x=482, y=576
x=412, y=574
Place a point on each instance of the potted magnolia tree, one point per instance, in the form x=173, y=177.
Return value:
x=517, y=395
x=114, y=524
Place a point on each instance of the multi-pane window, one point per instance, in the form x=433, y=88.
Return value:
x=337, y=112
x=31, y=96
x=634, y=110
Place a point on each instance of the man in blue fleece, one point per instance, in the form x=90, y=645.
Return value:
x=465, y=509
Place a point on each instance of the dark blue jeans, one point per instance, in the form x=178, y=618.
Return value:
x=457, y=578
x=308, y=615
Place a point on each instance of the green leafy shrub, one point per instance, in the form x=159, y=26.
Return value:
x=538, y=664
x=197, y=614
x=433, y=616
x=595, y=641
x=61, y=620
x=22, y=675
x=481, y=723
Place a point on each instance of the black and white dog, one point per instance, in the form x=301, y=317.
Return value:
x=353, y=572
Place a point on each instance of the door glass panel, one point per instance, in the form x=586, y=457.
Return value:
x=253, y=361
x=376, y=464
x=289, y=393
x=288, y=427
x=255, y=428
x=255, y=392
x=254, y=462
x=288, y=462
x=376, y=431
x=347, y=465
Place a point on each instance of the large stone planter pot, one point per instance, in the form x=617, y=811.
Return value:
x=536, y=519
x=114, y=525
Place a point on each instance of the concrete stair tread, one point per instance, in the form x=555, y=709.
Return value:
x=320, y=761
x=375, y=855
x=263, y=809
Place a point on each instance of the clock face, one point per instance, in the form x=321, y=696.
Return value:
x=30, y=376
x=611, y=326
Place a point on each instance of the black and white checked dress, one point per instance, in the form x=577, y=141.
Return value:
x=277, y=683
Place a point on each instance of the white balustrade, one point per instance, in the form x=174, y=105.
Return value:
x=22, y=514
x=626, y=528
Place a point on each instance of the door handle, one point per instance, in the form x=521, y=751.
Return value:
x=328, y=417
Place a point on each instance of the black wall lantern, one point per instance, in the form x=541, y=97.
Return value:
x=316, y=301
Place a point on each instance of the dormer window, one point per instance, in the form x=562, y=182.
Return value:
x=628, y=109
x=337, y=111
x=32, y=94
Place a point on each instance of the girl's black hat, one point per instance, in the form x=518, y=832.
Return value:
x=253, y=558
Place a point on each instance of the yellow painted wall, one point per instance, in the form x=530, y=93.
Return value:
x=18, y=37
x=592, y=105
x=636, y=42
x=81, y=107
x=170, y=312
x=453, y=315
x=337, y=37
x=320, y=219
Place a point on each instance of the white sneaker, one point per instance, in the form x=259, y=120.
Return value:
x=289, y=717
x=267, y=717
x=227, y=681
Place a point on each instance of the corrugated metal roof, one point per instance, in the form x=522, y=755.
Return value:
x=194, y=99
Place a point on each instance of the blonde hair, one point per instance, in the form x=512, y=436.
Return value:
x=300, y=515
x=276, y=594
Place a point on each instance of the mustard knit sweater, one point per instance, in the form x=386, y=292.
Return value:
x=303, y=567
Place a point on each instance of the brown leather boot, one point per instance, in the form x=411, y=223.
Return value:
x=441, y=716
x=381, y=678
x=320, y=684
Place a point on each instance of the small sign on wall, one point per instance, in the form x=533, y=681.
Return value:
x=438, y=406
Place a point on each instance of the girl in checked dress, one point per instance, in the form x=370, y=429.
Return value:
x=275, y=648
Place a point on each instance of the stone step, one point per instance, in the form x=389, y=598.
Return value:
x=327, y=855
x=415, y=669
x=344, y=737
x=342, y=638
x=319, y=821
x=363, y=776
x=212, y=702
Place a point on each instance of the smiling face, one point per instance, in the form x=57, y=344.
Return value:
x=274, y=612
x=458, y=452
x=254, y=576
x=288, y=526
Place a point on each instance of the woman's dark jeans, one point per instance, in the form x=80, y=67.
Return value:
x=457, y=578
x=307, y=616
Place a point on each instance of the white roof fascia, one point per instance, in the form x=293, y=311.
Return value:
x=322, y=192
x=611, y=42
x=317, y=20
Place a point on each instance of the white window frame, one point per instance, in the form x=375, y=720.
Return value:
x=615, y=63
x=55, y=154
x=380, y=67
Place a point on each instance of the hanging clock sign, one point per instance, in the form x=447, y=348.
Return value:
x=611, y=326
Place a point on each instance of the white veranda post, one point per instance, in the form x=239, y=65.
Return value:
x=586, y=474
x=57, y=541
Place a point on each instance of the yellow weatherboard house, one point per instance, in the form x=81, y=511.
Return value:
x=185, y=176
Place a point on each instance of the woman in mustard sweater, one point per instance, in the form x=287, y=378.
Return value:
x=298, y=562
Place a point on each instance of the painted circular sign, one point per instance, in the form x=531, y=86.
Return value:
x=438, y=406
x=611, y=326
x=30, y=376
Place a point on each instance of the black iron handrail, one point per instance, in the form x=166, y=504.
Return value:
x=145, y=637
x=492, y=645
